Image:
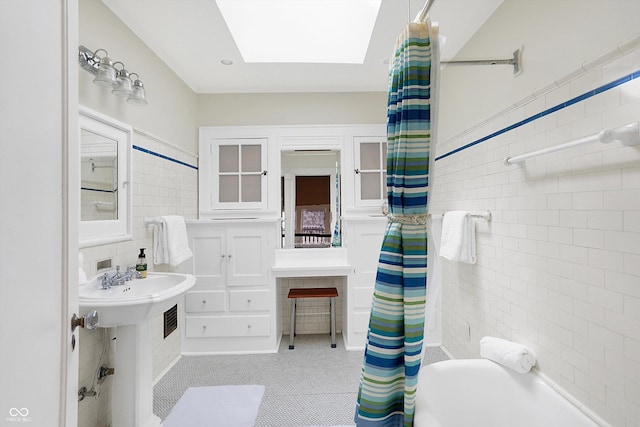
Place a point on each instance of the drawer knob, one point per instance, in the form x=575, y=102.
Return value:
x=248, y=301
x=204, y=301
x=249, y=326
x=204, y=327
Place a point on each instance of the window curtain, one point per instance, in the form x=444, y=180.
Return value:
x=396, y=327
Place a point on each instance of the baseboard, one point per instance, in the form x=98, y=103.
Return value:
x=167, y=369
x=227, y=353
x=447, y=352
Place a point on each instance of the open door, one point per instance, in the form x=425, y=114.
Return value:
x=38, y=213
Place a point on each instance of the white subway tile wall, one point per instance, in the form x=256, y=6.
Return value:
x=559, y=265
x=161, y=186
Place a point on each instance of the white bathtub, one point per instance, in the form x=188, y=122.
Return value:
x=481, y=393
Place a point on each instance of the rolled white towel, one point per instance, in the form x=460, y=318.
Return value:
x=508, y=353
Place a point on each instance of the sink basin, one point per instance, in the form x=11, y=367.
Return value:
x=136, y=300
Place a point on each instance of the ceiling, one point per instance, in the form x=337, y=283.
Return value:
x=191, y=37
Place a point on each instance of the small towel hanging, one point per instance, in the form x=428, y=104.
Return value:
x=458, y=241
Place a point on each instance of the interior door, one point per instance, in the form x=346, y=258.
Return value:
x=38, y=231
x=71, y=216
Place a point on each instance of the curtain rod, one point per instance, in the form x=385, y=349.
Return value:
x=422, y=16
x=515, y=60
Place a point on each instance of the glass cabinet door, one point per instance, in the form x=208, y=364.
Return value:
x=239, y=169
x=371, y=170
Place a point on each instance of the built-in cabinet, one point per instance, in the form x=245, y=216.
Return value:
x=231, y=253
x=365, y=234
x=239, y=242
x=370, y=157
x=232, y=173
x=232, y=307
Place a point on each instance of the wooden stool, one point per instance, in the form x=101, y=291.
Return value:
x=296, y=293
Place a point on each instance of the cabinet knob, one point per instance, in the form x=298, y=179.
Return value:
x=248, y=301
x=248, y=326
x=204, y=301
x=204, y=327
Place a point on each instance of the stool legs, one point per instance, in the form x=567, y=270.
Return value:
x=294, y=294
x=333, y=322
x=292, y=326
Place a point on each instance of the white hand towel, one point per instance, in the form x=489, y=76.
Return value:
x=508, y=353
x=458, y=241
x=171, y=245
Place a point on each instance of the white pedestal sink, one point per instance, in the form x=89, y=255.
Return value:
x=129, y=308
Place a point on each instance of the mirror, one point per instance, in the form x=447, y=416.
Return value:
x=310, y=199
x=105, y=196
x=98, y=177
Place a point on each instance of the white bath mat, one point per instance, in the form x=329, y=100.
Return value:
x=222, y=406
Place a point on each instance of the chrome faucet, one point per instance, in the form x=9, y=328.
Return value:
x=132, y=272
x=111, y=278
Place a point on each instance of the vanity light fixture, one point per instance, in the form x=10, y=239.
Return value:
x=110, y=76
x=106, y=73
x=124, y=86
x=137, y=96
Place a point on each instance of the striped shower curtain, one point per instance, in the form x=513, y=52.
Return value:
x=396, y=327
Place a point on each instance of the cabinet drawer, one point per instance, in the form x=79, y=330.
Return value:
x=228, y=326
x=249, y=300
x=205, y=301
x=362, y=297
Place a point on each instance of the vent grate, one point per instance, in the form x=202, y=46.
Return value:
x=170, y=320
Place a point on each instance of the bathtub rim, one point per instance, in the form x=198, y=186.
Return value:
x=545, y=378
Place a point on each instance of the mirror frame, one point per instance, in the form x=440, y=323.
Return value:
x=92, y=233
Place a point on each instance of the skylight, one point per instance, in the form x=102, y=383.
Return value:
x=306, y=31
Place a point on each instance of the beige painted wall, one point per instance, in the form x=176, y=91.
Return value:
x=292, y=109
x=172, y=110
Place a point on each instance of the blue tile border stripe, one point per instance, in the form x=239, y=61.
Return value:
x=162, y=156
x=579, y=98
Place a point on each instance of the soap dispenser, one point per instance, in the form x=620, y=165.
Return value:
x=141, y=266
